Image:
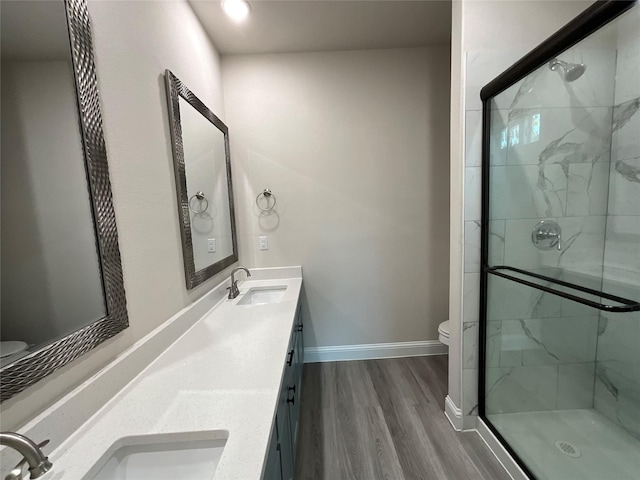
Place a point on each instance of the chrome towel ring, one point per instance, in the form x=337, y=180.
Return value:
x=266, y=193
x=200, y=196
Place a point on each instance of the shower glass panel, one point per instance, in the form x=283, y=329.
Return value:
x=560, y=385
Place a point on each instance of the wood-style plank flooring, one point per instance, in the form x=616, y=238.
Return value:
x=383, y=419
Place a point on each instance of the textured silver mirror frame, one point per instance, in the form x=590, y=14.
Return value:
x=175, y=90
x=27, y=370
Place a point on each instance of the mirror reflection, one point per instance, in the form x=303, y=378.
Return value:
x=51, y=282
x=206, y=176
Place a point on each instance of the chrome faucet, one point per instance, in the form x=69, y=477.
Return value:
x=233, y=289
x=38, y=462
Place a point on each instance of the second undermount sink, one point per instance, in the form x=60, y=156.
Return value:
x=186, y=460
x=263, y=295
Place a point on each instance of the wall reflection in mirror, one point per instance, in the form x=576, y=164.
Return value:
x=52, y=282
x=203, y=180
x=206, y=172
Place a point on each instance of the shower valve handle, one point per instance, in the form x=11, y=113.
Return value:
x=547, y=235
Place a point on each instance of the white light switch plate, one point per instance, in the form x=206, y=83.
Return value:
x=263, y=241
x=211, y=245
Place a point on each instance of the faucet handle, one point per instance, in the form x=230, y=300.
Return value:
x=233, y=290
x=16, y=473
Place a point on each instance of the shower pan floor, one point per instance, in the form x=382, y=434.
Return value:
x=606, y=451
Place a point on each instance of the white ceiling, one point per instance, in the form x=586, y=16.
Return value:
x=277, y=26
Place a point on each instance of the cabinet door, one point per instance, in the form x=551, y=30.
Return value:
x=286, y=381
x=273, y=468
x=277, y=468
x=295, y=394
x=286, y=449
x=299, y=344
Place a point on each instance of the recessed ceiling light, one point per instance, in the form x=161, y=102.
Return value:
x=238, y=10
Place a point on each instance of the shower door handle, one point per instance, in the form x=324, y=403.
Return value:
x=627, y=304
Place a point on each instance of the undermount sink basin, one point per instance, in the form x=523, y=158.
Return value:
x=185, y=460
x=263, y=295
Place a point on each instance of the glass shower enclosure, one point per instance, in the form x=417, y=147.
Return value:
x=560, y=285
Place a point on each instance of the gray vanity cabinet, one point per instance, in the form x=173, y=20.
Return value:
x=280, y=462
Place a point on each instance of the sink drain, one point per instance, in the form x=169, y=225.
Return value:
x=567, y=449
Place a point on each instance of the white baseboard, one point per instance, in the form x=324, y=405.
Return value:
x=454, y=414
x=463, y=422
x=373, y=351
x=469, y=422
x=507, y=461
x=459, y=422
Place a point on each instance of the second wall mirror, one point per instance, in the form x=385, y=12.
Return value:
x=200, y=142
x=61, y=281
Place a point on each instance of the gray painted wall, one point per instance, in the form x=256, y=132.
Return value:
x=355, y=147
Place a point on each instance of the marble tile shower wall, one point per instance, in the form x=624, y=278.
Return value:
x=617, y=383
x=537, y=340
x=481, y=68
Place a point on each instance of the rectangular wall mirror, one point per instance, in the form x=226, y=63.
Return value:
x=203, y=179
x=61, y=283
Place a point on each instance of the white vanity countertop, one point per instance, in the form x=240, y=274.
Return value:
x=223, y=374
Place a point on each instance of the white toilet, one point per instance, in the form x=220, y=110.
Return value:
x=443, y=332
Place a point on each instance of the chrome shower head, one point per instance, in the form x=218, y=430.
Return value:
x=572, y=71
